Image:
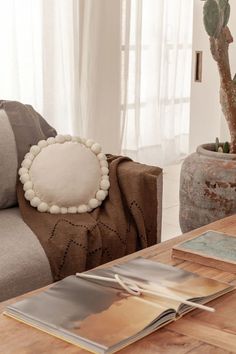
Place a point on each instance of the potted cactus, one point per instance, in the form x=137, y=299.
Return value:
x=208, y=177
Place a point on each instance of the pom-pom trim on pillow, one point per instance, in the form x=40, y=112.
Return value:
x=28, y=187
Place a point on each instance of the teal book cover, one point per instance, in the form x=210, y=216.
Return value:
x=211, y=248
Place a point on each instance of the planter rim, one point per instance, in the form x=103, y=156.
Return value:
x=208, y=150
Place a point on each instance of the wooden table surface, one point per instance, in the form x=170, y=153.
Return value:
x=197, y=332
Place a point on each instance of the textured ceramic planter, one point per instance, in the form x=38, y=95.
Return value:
x=207, y=187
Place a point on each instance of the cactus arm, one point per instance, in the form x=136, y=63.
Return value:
x=220, y=38
x=226, y=15
x=224, y=8
x=226, y=147
x=217, y=144
x=219, y=49
x=211, y=17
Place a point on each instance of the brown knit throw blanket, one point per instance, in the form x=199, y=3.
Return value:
x=124, y=223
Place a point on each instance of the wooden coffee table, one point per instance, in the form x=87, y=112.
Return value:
x=198, y=332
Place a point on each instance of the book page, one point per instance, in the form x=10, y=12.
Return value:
x=165, y=279
x=96, y=313
x=123, y=319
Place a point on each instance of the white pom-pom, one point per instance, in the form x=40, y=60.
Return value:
x=35, y=202
x=89, y=209
x=89, y=142
x=101, y=195
x=101, y=156
x=83, y=141
x=60, y=139
x=26, y=163
x=103, y=163
x=23, y=170
x=42, y=207
x=93, y=203
x=68, y=137
x=72, y=210
x=83, y=208
x=105, y=184
x=96, y=148
x=105, y=177
x=24, y=178
x=64, y=210
x=54, y=209
x=75, y=139
x=51, y=140
x=35, y=149
x=28, y=185
x=42, y=144
x=29, y=156
x=29, y=194
x=104, y=171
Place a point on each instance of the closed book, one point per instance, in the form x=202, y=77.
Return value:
x=211, y=248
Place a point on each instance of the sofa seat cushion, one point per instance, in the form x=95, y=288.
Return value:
x=23, y=263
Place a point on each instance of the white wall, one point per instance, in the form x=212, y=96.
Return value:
x=206, y=120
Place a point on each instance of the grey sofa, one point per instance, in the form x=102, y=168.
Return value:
x=24, y=265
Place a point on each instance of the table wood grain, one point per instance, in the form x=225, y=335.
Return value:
x=197, y=332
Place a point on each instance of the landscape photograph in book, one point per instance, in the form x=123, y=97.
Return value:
x=124, y=318
x=129, y=315
x=160, y=277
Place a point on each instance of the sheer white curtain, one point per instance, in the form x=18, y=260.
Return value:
x=117, y=71
x=100, y=71
x=156, y=62
x=63, y=57
x=39, y=58
x=21, y=51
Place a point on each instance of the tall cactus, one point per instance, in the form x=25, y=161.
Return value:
x=215, y=17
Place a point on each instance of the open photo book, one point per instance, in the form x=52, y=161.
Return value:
x=102, y=317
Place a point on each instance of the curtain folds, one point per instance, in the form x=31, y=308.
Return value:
x=39, y=58
x=60, y=64
x=117, y=71
x=100, y=65
x=156, y=106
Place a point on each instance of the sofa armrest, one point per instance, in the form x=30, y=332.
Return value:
x=145, y=195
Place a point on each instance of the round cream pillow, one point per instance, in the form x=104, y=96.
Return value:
x=65, y=174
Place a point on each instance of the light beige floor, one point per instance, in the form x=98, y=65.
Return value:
x=170, y=212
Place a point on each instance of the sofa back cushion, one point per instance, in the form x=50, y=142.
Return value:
x=8, y=163
x=20, y=128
